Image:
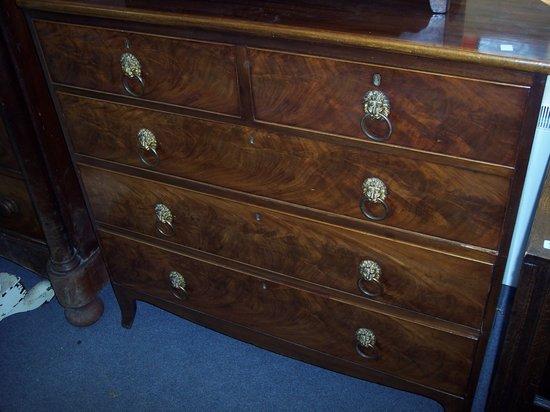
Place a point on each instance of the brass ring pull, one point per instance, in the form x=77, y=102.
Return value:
x=366, y=344
x=128, y=88
x=165, y=219
x=131, y=69
x=370, y=272
x=376, y=106
x=177, y=282
x=374, y=191
x=8, y=207
x=372, y=136
x=147, y=144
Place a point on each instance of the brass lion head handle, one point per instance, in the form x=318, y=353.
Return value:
x=147, y=147
x=178, y=285
x=369, y=282
x=164, y=220
x=131, y=69
x=377, y=107
x=374, y=192
x=366, y=344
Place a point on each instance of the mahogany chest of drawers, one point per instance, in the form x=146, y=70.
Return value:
x=336, y=196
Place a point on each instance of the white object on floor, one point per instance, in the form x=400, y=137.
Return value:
x=14, y=298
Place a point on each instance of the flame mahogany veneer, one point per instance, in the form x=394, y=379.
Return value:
x=425, y=197
x=254, y=151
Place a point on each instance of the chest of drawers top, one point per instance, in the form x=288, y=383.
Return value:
x=472, y=30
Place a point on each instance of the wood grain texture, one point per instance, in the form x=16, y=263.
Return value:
x=381, y=25
x=7, y=156
x=362, y=145
x=414, y=278
x=326, y=49
x=425, y=197
x=414, y=352
x=430, y=242
x=24, y=219
x=187, y=73
x=443, y=114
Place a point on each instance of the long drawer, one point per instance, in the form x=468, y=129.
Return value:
x=196, y=74
x=16, y=210
x=443, y=201
x=415, y=278
x=411, y=351
x=437, y=113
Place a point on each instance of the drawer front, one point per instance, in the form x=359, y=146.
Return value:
x=7, y=156
x=436, y=113
x=186, y=73
x=414, y=278
x=438, y=200
x=16, y=210
x=408, y=350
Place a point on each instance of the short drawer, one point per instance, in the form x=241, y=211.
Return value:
x=400, y=347
x=7, y=156
x=396, y=273
x=436, y=113
x=16, y=210
x=187, y=73
x=430, y=198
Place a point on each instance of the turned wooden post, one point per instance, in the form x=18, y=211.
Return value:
x=75, y=268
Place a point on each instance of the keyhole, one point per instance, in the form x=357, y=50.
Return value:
x=376, y=79
x=258, y=217
x=251, y=140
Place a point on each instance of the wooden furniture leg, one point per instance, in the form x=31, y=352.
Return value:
x=127, y=306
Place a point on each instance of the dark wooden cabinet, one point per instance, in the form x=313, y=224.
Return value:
x=522, y=374
x=21, y=237
x=327, y=180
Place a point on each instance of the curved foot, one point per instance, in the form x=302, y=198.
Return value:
x=127, y=307
x=86, y=315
